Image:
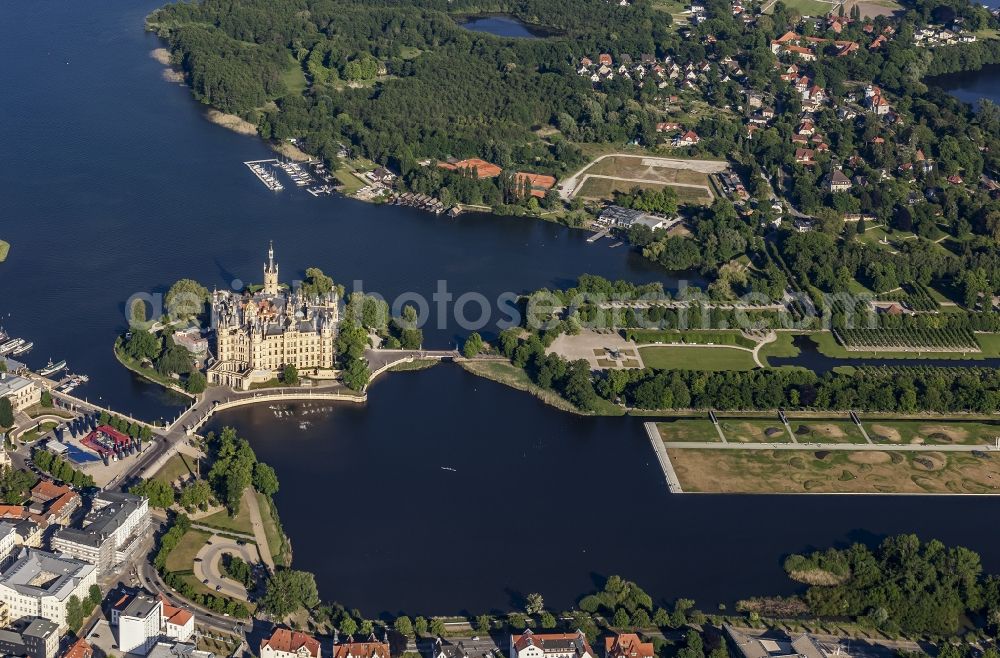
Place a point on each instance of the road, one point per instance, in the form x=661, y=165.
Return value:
x=253, y=507
x=208, y=565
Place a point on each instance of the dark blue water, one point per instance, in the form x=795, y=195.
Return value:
x=502, y=26
x=972, y=86
x=114, y=184
x=810, y=357
x=539, y=501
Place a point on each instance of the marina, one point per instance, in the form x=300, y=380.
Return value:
x=421, y=201
x=21, y=349
x=11, y=345
x=52, y=368
x=259, y=169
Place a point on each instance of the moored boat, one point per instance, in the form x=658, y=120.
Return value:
x=52, y=368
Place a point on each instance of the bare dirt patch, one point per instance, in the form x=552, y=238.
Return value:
x=887, y=433
x=173, y=75
x=292, y=152
x=232, y=122
x=945, y=432
x=870, y=457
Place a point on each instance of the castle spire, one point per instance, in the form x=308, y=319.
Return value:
x=270, y=272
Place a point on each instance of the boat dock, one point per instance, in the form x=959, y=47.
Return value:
x=421, y=201
x=673, y=484
x=259, y=169
x=600, y=234
x=295, y=171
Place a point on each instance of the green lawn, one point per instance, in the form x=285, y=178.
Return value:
x=712, y=359
x=754, y=430
x=182, y=557
x=688, y=429
x=294, y=78
x=176, y=467
x=239, y=523
x=809, y=7
x=409, y=52
x=350, y=182
x=4, y=250
x=781, y=347
x=275, y=538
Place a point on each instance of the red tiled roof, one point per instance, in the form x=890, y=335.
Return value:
x=173, y=614
x=627, y=645
x=482, y=168
x=290, y=641
x=361, y=650
x=79, y=649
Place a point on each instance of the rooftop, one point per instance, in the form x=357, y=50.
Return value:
x=39, y=573
x=290, y=641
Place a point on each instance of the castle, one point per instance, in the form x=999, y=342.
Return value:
x=258, y=333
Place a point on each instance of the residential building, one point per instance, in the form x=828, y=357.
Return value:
x=79, y=649
x=285, y=643
x=8, y=542
x=257, y=334
x=40, y=584
x=627, y=645
x=445, y=649
x=690, y=138
x=176, y=623
x=111, y=531
x=21, y=392
x=177, y=650
x=40, y=639
x=371, y=648
x=138, y=622
x=838, y=181
x=192, y=340
x=801, y=646
x=550, y=645
x=142, y=620
x=53, y=503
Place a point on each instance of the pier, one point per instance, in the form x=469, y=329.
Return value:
x=673, y=484
x=259, y=169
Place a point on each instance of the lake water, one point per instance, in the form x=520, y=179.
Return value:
x=114, y=184
x=972, y=86
x=502, y=26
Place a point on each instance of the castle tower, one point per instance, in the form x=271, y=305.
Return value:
x=270, y=272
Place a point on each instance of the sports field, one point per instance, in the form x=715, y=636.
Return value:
x=620, y=173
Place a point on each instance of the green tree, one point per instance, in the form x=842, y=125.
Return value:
x=483, y=624
x=403, y=626
x=265, y=480
x=196, y=383
x=95, y=595
x=347, y=625
x=288, y=591
x=160, y=494
x=534, y=603
x=473, y=345
x=290, y=375
x=186, y=299
x=437, y=627
x=195, y=495
x=74, y=613
x=420, y=626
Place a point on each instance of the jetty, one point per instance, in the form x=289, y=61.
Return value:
x=421, y=201
x=259, y=169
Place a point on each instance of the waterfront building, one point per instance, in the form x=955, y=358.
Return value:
x=445, y=649
x=111, y=531
x=627, y=645
x=40, y=584
x=370, y=648
x=550, y=645
x=40, y=639
x=259, y=333
x=800, y=646
x=285, y=643
x=21, y=392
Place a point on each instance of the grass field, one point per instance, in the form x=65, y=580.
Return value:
x=754, y=430
x=932, y=432
x=182, y=557
x=4, y=250
x=178, y=466
x=782, y=347
x=625, y=172
x=239, y=523
x=275, y=538
x=350, y=182
x=711, y=359
x=824, y=471
x=688, y=429
x=294, y=78
x=825, y=431
x=807, y=7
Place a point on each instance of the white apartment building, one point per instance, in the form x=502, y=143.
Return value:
x=40, y=584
